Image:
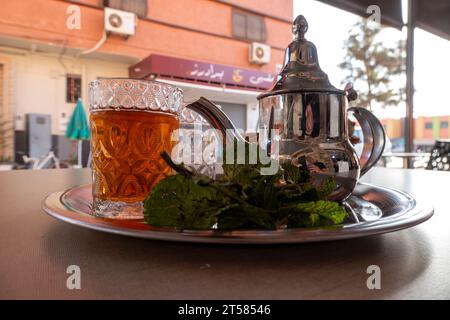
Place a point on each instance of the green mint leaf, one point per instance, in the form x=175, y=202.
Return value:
x=178, y=202
x=242, y=198
x=317, y=213
x=245, y=217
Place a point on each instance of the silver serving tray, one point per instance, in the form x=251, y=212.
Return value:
x=373, y=210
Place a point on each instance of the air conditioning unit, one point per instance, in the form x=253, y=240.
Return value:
x=259, y=53
x=120, y=22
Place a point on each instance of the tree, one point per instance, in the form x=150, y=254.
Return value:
x=377, y=70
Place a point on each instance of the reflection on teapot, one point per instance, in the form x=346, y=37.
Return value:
x=310, y=118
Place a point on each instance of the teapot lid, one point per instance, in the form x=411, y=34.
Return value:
x=301, y=71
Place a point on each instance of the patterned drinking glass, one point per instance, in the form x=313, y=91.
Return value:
x=131, y=123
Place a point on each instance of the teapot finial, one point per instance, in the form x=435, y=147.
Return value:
x=300, y=27
x=301, y=70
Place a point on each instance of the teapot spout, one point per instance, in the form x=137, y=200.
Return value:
x=217, y=118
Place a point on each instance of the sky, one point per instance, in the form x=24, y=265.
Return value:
x=328, y=29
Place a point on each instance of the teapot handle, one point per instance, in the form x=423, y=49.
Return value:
x=373, y=131
x=217, y=118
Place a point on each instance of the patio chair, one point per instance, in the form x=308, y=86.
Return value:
x=440, y=156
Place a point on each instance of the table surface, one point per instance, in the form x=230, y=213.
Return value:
x=35, y=251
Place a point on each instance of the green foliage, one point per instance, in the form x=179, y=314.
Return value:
x=313, y=214
x=179, y=202
x=242, y=198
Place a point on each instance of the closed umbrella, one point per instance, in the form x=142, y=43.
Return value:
x=78, y=128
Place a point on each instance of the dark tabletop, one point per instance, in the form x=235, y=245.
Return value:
x=35, y=251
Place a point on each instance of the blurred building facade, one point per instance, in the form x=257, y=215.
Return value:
x=426, y=130
x=43, y=68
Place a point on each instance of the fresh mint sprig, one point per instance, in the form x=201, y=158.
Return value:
x=241, y=198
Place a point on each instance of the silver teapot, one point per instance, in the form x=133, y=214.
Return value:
x=310, y=117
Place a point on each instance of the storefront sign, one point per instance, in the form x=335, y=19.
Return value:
x=163, y=66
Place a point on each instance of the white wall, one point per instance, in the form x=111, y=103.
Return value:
x=39, y=83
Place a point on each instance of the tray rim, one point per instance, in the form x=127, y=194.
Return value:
x=419, y=212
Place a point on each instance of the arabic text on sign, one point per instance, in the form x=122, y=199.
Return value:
x=209, y=72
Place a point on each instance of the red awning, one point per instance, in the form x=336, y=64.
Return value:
x=201, y=72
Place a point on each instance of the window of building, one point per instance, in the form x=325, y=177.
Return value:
x=444, y=124
x=139, y=7
x=73, y=88
x=429, y=125
x=248, y=27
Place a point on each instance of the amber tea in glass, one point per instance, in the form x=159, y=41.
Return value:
x=131, y=124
